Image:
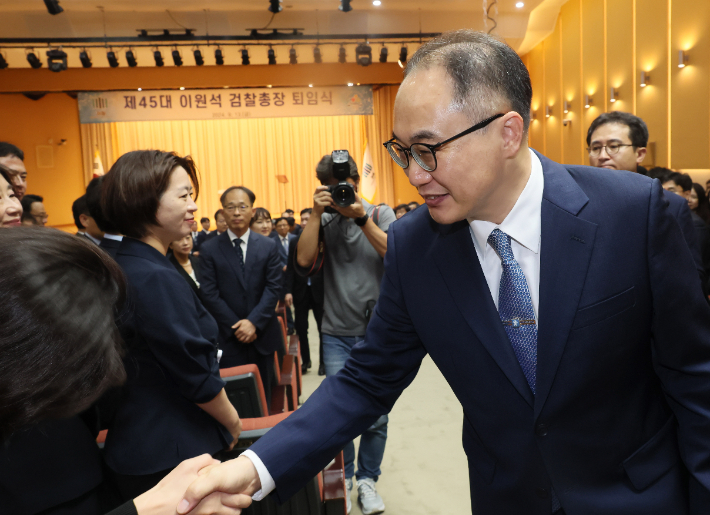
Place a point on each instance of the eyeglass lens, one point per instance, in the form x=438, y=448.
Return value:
x=422, y=154
x=610, y=149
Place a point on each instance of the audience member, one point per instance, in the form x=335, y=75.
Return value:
x=284, y=238
x=304, y=294
x=261, y=221
x=10, y=206
x=205, y=232
x=220, y=221
x=413, y=205
x=617, y=140
x=401, y=210
x=660, y=173
x=111, y=240
x=85, y=222
x=293, y=228
x=195, y=233
x=241, y=282
x=185, y=262
x=173, y=406
x=33, y=205
x=678, y=183
x=287, y=213
x=698, y=202
x=13, y=158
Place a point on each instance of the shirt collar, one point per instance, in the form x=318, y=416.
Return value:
x=244, y=238
x=523, y=223
x=115, y=237
x=98, y=242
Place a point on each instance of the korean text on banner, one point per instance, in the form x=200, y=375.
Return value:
x=368, y=184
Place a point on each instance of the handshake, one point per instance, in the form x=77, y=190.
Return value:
x=202, y=486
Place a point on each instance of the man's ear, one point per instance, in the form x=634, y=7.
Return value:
x=513, y=133
x=84, y=219
x=640, y=155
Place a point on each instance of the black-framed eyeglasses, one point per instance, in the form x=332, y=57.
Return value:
x=612, y=148
x=425, y=154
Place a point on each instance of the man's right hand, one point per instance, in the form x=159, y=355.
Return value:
x=288, y=300
x=236, y=476
x=321, y=199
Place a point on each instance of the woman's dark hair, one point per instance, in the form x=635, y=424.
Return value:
x=258, y=214
x=59, y=345
x=703, y=209
x=133, y=186
x=93, y=204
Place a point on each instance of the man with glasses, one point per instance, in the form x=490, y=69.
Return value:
x=240, y=286
x=33, y=209
x=617, y=141
x=560, y=304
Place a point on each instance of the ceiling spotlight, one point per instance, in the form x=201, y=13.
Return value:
x=292, y=57
x=317, y=58
x=402, y=57
x=33, y=60
x=345, y=6
x=112, y=59
x=158, y=58
x=350, y=84
x=199, y=61
x=177, y=58
x=275, y=6
x=363, y=54
x=383, y=54
x=53, y=6
x=682, y=59
x=519, y=5
x=645, y=79
x=272, y=56
x=3, y=62
x=131, y=59
x=218, y=57
x=376, y=3
x=245, y=56
x=613, y=95
x=588, y=101
x=85, y=59
x=56, y=60
x=341, y=54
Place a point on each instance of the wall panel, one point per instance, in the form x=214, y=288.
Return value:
x=553, y=95
x=571, y=78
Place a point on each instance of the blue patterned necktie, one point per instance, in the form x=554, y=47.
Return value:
x=515, y=307
x=516, y=312
x=238, y=248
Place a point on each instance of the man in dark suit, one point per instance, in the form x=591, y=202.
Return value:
x=202, y=236
x=241, y=283
x=561, y=305
x=111, y=238
x=84, y=222
x=284, y=240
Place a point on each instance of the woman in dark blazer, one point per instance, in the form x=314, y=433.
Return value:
x=187, y=264
x=173, y=405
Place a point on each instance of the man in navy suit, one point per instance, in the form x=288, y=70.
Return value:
x=561, y=304
x=241, y=283
x=284, y=239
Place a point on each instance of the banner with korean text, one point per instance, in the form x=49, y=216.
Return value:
x=224, y=104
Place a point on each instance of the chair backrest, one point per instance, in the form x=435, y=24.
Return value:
x=245, y=390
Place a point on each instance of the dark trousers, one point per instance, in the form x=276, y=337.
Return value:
x=236, y=354
x=302, y=306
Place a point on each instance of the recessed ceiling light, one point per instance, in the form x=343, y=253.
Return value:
x=519, y=5
x=182, y=88
x=140, y=89
x=350, y=83
x=376, y=3
x=310, y=85
x=268, y=85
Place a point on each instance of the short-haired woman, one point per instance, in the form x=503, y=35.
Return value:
x=261, y=221
x=173, y=405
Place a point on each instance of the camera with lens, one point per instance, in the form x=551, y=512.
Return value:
x=343, y=193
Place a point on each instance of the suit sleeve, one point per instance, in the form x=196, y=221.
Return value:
x=685, y=221
x=169, y=325
x=209, y=291
x=681, y=341
x=345, y=405
x=264, y=310
x=288, y=284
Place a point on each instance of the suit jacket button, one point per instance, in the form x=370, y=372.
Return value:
x=541, y=493
x=541, y=430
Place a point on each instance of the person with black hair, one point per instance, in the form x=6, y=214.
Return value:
x=10, y=206
x=205, y=232
x=13, y=158
x=220, y=220
x=261, y=221
x=401, y=210
x=85, y=222
x=698, y=202
x=33, y=207
x=112, y=238
x=413, y=205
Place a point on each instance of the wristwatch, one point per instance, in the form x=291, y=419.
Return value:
x=362, y=220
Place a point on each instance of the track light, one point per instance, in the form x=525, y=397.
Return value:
x=131, y=59
x=272, y=56
x=317, y=58
x=402, y=57
x=383, y=54
x=85, y=59
x=112, y=59
x=645, y=79
x=682, y=59
x=588, y=101
x=275, y=6
x=56, y=60
x=292, y=57
x=199, y=61
x=53, y=6
x=158, y=58
x=363, y=54
x=341, y=54
x=613, y=95
x=218, y=57
x=345, y=6
x=245, y=56
x=3, y=62
x=34, y=60
x=177, y=58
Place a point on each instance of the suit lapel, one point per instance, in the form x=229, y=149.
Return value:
x=567, y=242
x=230, y=254
x=456, y=259
x=253, y=253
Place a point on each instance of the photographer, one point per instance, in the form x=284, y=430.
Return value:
x=355, y=238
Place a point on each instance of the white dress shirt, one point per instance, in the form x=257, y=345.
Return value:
x=245, y=241
x=115, y=237
x=98, y=242
x=523, y=225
